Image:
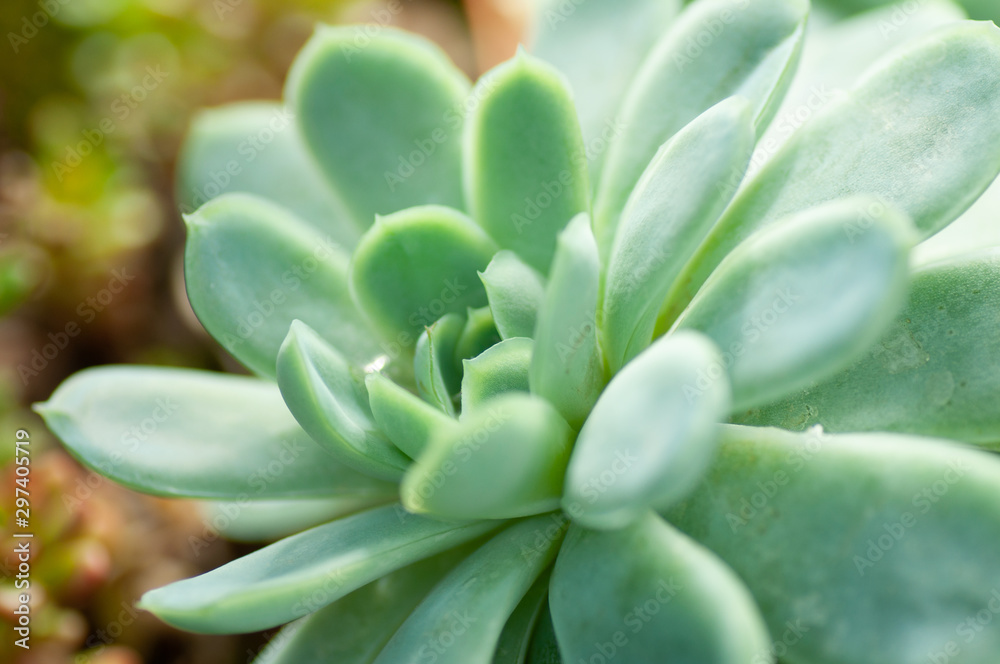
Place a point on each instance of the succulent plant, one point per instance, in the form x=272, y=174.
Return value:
x=521, y=348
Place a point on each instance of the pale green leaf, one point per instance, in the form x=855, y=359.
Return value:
x=669, y=213
x=714, y=50
x=478, y=334
x=269, y=520
x=438, y=373
x=328, y=398
x=566, y=367
x=502, y=368
x=255, y=148
x=504, y=460
x=515, y=639
x=935, y=372
x=526, y=171
x=416, y=265
x=303, y=573
x=177, y=432
x=919, y=131
x=461, y=620
x=647, y=594
x=406, y=419
x=835, y=536
x=805, y=297
x=382, y=115
x=651, y=435
x=515, y=292
x=598, y=45
x=252, y=268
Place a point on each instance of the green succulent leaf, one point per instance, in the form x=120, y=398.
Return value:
x=505, y=460
x=305, y=572
x=891, y=509
x=177, y=432
x=355, y=628
x=406, y=419
x=413, y=266
x=255, y=148
x=515, y=640
x=752, y=49
x=599, y=45
x=269, y=520
x=382, y=116
x=515, y=291
x=478, y=334
x=544, y=647
x=252, y=268
x=652, y=433
x=502, y=368
x=669, y=213
x=526, y=169
x=935, y=372
x=438, y=374
x=328, y=398
x=566, y=367
x=805, y=297
x=647, y=591
x=461, y=620
x=827, y=69
x=919, y=131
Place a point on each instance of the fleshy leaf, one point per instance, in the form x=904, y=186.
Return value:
x=515, y=291
x=651, y=435
x=252, y=268
x=935, y=372
x=805, y=297
x=416, y=265
x=176, y=432
x=599, y=45
x=404, y=148
x=437, y=372
x=526, y=170
x=406, y=419
x=502, y=368
x=647, y=593
x=506, y=459
x=515, y=640
x=919, y=131
x=669, y=213
x=255, y=148
x=891, y=508
x=269, y=520
x=461, y=620
x=751, y=51
x=544, y=647
x=478, y=334
x=305, y=572
x=566, y=367
x=975, y=229
x=328, y=398
x=356, y=627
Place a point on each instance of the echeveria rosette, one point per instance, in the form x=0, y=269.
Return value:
x=500, y=333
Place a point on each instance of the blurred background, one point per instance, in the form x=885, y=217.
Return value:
x=95, y=100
